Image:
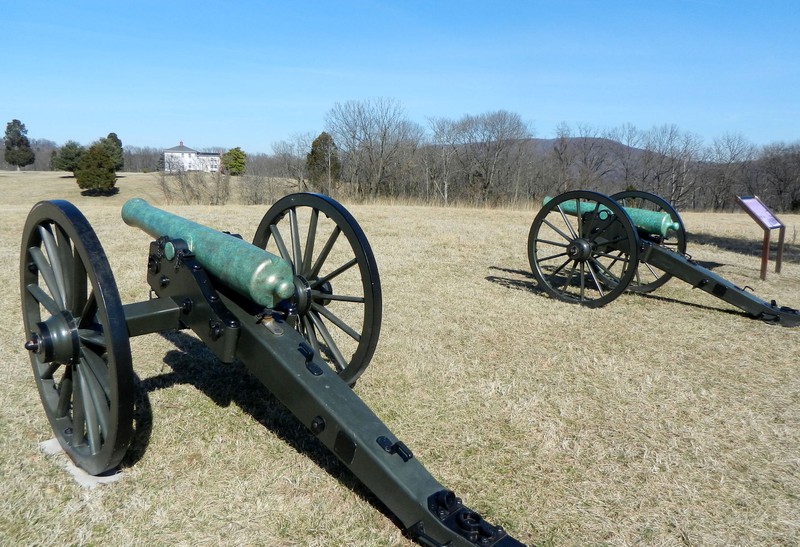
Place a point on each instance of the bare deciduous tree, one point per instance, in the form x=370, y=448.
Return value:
x=729, y=159
x=142, y=159
x=373, y=136
x=627, y=154
x=781, y=165
x=670, y=162
x=489, y=148
x=291, y=158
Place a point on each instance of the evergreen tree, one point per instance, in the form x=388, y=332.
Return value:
x=69, y=156
x=18, y=147
x=234, y=161
x=96, y=170
x=114, y=147
x=322, y=162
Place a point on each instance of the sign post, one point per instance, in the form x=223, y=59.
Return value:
x=768, y=221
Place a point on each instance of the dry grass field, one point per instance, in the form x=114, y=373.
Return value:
x=665, y=419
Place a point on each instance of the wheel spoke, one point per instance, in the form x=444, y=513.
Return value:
x=93, y=337
x=338, y=271
x=621, y=257
x=310, y=333
x=64, y=393
x=567, y=261
x=78, y=411
x=98, y=370
x=88, y=312
x=322, y=296
x=98, y=389
x=557, y=230
x=44, y=299
x=582, y=274
x=54, y=257
x=323, y=256
x=333, y=318
x=553, y=243
x=338, y=360
x=284, y=252
x=614, y=258
x=652, y=270
x=49, y=371
x=48, y=275
x=551, y=257
x=568, y=280
x=606, y=270
x=294, y=233
x=568, y=223
x=90, y=412
x=310, y=239
x=594, y=278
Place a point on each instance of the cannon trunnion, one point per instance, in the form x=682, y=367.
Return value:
x=588, y=248
x=301, y=308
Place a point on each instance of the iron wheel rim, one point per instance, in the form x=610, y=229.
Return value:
x=341, y=325
x=587, y=260
x=87, y=392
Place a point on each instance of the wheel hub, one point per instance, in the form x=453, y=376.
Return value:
x=303, y=294
x=55, y=339
x=579, y=249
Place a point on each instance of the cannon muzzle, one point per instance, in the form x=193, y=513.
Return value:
x=652, y=222
x=257, y=274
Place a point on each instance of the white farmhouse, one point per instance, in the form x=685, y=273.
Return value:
x=182, y=158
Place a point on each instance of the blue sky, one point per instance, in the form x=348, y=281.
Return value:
x=252, y=73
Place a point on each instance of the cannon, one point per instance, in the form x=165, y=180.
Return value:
x=300, y=307
x=588, y=248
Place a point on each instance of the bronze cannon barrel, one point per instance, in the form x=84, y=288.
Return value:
x=651, y=221
x=261, y=276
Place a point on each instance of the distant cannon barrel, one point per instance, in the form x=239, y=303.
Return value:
x=261, y=276
x=651, y=221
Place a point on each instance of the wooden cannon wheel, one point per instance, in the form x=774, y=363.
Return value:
x=583, y=248
x=337, y=301
x=77, y=337
x=648, y=278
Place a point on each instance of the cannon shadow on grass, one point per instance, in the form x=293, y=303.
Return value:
x=192, y=363
x=528, y=284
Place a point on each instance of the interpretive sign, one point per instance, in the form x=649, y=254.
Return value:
x=768, y=221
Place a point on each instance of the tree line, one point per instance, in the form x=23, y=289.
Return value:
x=369, y=149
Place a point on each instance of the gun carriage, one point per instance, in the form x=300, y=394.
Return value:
x=303, y=319
x=588, y=248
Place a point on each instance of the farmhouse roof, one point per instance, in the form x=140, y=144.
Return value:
x=180, y=148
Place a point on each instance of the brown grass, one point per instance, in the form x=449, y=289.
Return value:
x=668, y=419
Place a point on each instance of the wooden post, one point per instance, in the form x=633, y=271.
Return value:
x=779, y=258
